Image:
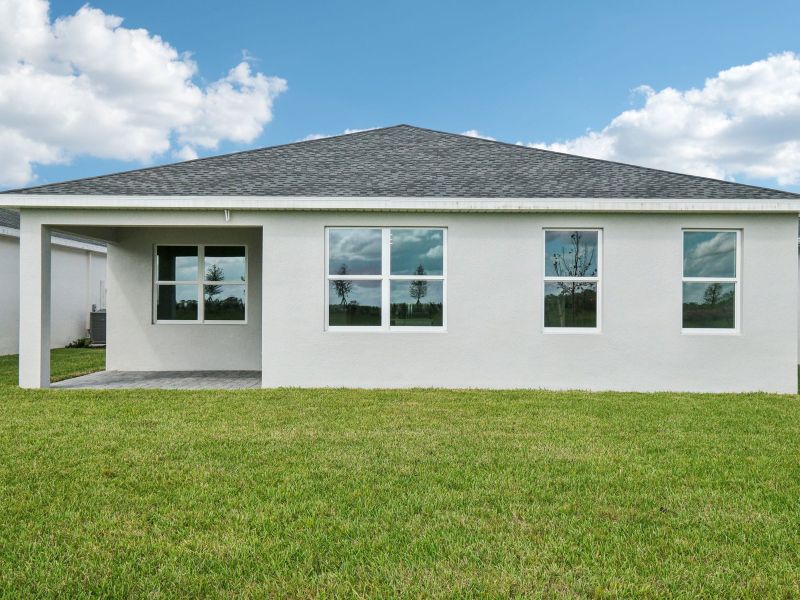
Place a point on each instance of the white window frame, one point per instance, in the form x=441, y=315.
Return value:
x=554, y=279
x=736, y=281
x=200, y=282
x=386, y=278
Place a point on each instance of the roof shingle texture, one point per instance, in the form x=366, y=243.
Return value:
x=9, y=218
x=405, y=161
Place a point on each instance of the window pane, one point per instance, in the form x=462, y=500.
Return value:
x=225, y=263
x=354, y=251
x=417, y=252
x=177, y=303
x=224, y=302
x=417, y=303
x=709, y=305
x=177, y=263
x=570, y=253
x=354, y=303
x=570, y=304
x=709, y=254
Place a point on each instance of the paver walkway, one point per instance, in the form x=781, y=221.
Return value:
x=164, y=380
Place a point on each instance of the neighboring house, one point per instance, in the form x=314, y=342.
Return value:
x=408, y=257
x=79, y=273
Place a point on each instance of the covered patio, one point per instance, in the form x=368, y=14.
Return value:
x=184, y=298
x=164, y=380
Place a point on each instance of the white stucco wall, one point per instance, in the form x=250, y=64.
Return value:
x=495, y=336
x=78, y=278
x=9, y=299
x=136, y=343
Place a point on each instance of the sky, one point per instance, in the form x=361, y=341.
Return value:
x=710, y=88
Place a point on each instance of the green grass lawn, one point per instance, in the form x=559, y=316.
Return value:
x=343, y=493
x=64, y=363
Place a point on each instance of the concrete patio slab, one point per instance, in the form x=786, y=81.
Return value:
x=164, y=380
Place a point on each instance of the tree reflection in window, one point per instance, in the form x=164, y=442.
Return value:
x=571, y=279
x=365, y=265
x=343, y=286
x=710, y=279
x=709, y=305
x=407, y=306
x=186, y=292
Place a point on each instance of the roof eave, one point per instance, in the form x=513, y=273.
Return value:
x=401, y=204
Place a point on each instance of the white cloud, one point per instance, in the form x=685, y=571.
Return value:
x=745, y=122
x=85, y=85
x=319, y=136
x=476, y=134
x=184, y=153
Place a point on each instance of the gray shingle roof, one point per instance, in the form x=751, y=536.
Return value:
x=405, y=161
x=9, y=218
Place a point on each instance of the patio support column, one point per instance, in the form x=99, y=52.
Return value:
x=34, y=304
x=265, y=278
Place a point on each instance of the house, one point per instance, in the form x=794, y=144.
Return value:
x=79, y=274
x=409, y=257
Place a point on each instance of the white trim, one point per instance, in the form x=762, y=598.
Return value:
x=736, y=281
x=400, y=204
x=386, y=269
x=596, y=279
x=88, y=246
x=200, y=283
x=572, y=330
x=59, y=241
x=386, y=279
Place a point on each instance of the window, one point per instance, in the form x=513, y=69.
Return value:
x=572, y=279
x=200, y=284
x=385, y=278
x=711, y=280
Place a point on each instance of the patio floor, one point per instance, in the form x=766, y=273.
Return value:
x=164, y=380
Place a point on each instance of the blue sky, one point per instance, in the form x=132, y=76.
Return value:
x=540, y=72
